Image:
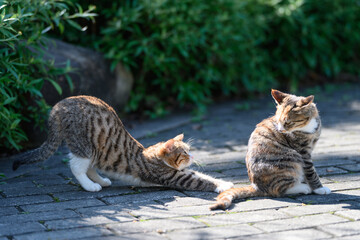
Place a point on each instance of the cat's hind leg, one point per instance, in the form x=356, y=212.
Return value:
x=299, y=188
x=93, y=175
x=79, y=167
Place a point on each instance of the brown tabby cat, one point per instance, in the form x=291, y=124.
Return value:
x=279, y=153
x=97, y=139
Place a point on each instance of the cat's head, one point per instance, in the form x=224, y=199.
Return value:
x=294, y=113
x=175, y=153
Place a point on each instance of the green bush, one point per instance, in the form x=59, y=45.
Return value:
x=23, y=71
x=185, y=52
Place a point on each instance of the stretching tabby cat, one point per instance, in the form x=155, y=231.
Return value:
x=279, y=153
x=97, y=139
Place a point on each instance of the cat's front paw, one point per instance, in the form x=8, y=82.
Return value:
x=93, y=187
x=322, y=190
x=105, y=182
x=223, y=186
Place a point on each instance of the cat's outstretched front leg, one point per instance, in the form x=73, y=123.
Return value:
x=192, y=180
x=313, y=178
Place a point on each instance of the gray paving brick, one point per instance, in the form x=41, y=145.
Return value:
x=39, y=216
x=214, y=232
x=144, y=197
x=62, y=205
x=243, y=217
x=345, y=177
x=34, y=190
x=87, y=221
x=15, y=201
x=136, y=236
x=8, y=211
x=66, y=234
x=82, y=194
x=332, y=162
x=353, y=214
x=9, y=229
x=185, y=201
x=324, y=171
x=219, y=166
x=318, y=208
x=159, y=225
x=236, y=172
x=340, y=186
x=342, y=229
x=299, y=222
x=262, y=203
x=303, y=234
x=353, y=237
x=352, y=167
x=16, y=185
x=331, y=198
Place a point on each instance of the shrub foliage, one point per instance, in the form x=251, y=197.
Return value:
x=188, y=52
x=23, y=70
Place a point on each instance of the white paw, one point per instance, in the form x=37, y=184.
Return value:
x=299, y=188
x=223, y=186
x=105, y=182
x=322, y=190
x=93, y=187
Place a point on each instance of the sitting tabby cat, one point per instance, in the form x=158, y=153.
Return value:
x=97, y=139
x=279, y=153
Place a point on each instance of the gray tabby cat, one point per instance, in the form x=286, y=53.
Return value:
x=97, y=139
x=279, y=153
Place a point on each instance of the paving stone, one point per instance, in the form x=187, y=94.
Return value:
x=318, y=208
x=7, y=229
x=243, y=217
x=345, y=177
x=353, y=237
x=331, y=198
x=340, y=186
x=262, y=203
x=236, y=172
x=82, y=194
x=214, y=232
x=332, y=162
x=144, y=197
x=185, y=201
x=17, y=185
x=136, y=236
x=15, y=201
x=87, y=221
x=323, y=171
x=304, y=234
x=219, y=166
x=352, y=167
x=62, y=205
x=342, y=229
x=353, y=214
x=66, y=234
x=299, y=222
x=34, y=190
x=158, y=225
x=8, y=211
x=40, y=216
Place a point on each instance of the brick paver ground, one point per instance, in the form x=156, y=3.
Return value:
x=45, y=201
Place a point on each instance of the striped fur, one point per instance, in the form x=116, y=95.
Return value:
x=98, y=140
x=279, y=153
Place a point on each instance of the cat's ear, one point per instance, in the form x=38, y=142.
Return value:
x=169, y=146
x=278, y=96
x=179, y=137
x=306, y=101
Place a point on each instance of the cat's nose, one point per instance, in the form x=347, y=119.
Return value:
x=280, y=128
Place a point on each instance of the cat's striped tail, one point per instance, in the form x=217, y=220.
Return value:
x=225, y=198
x=39, y=154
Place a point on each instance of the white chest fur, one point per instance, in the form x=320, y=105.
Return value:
x=310, y=127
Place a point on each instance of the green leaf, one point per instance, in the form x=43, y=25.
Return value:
x=56, y=85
